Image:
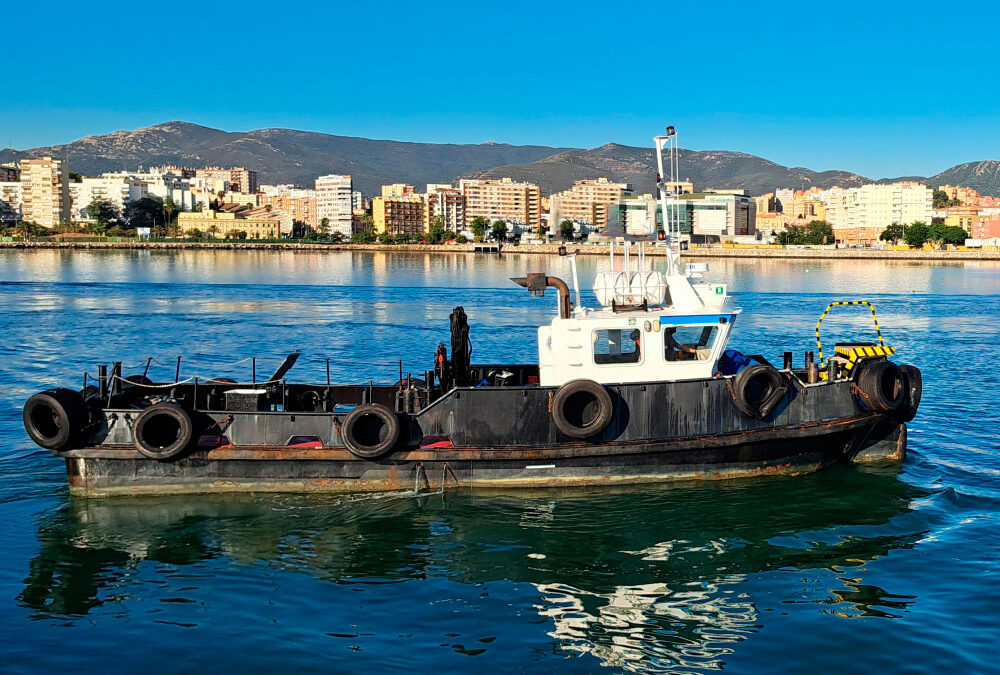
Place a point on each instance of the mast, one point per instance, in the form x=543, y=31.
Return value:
x=671, y=221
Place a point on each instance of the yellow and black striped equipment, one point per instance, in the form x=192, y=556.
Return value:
x=852, y=353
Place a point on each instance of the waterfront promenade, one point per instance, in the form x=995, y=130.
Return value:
x=544, y=249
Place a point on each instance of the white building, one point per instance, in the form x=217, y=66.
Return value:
x=334, y=202
x=116, y=189
x=715, y=215
x=878, y=205
x=162, y=183
x=447, y=201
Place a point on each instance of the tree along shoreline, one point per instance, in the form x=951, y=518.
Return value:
x=768, y=252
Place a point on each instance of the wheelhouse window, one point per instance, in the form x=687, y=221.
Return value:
x=616, y=346
x=689, y=343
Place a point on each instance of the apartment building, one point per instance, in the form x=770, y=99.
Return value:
x=399, y=214
x=240, y=179
x=10, y=201
x=45, y=191
x=962, y=216
x=334, y=196
x=447, y=201
x=968, y=196
x=398, y=190
x=162, y=183
x=299, y=203
x=588, y=201
x=878, y=206
x=9, y=173
x=502, y=200
x=987, y=225
x=119, y=190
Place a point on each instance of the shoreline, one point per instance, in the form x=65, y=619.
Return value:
x=524, y=249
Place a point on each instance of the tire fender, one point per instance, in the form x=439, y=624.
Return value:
x=582, y=409
x=757, y=390
x=162, y=431
x=881, y=386
x=54, y=419
x=370, y=431
x=913, y=390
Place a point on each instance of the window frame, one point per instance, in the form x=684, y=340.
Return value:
x=625, y=330
x=702, y=326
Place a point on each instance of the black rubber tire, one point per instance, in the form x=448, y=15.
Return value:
x=370, y=431
x=913, y=389
x=55, y=418
x=162, y=431
x=582, y=409
x=882, y=385
x=758, y=389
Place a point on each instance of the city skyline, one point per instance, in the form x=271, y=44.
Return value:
x=883, y=91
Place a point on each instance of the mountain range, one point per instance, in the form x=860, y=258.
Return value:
x=290, y=156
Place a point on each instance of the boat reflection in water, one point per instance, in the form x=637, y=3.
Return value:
x=644, y=578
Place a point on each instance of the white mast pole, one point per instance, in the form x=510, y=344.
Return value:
x=661, y=141
x=674, y=177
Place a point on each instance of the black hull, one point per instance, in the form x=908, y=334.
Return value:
x=120, y=470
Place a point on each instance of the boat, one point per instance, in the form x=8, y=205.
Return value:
x=642, y=388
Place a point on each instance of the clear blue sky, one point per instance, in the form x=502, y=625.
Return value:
x=880, y=88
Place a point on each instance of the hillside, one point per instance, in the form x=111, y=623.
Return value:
x=984, y=176
x=289, y=156
x=716, y=168
x=284, y=155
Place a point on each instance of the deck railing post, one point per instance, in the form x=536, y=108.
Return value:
x=116, y=377
x=102, y=381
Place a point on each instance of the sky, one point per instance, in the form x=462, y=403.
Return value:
x=883, y=89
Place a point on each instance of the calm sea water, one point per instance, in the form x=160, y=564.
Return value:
x=890, y=569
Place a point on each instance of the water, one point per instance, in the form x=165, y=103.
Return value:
x=892, y=569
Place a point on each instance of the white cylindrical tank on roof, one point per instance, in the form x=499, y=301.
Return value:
x=651, y=286
x=610, y=286
x=630, y=289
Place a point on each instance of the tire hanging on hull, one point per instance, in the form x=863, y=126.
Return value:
x=881, y=386
x=913, y=389
x=162, y=431
x=757, y=390
x=582, y=409
x=370, y=431
x=55, y=418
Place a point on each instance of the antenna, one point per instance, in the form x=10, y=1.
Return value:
x=671, y=221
